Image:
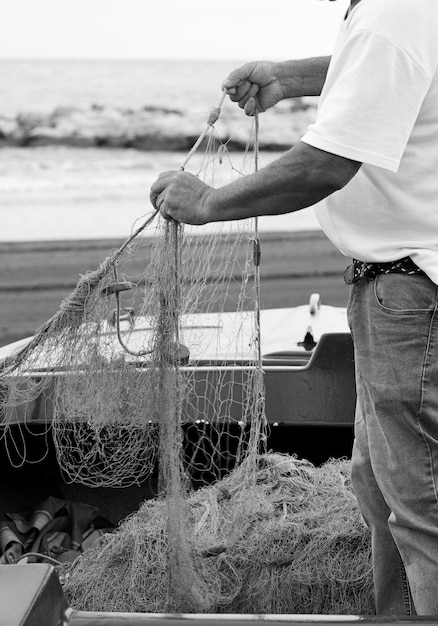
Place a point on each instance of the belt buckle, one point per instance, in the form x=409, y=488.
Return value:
x=350, y=275
x=358, y=270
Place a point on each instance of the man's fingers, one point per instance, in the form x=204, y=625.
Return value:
x=154, y=194
x=236, y=77
x=250, y=107
x=160, y=204
x=240, y=91
x=161, y=182
x=159, y=186
x=163, y=210
x=249, y=101
x=245, y=92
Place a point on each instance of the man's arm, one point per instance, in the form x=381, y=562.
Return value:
x=263, y=83
x=300, y=178
x=303, y=77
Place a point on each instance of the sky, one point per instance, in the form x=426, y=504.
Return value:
x=168, y=29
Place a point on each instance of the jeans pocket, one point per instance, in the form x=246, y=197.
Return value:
x=407, y=294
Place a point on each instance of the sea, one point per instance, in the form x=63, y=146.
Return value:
x=61, y=192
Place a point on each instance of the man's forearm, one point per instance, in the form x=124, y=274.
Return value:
x=300, y=178
x=302, y=77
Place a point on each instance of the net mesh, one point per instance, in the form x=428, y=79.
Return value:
x=297, y=545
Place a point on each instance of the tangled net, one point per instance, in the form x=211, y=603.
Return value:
x=295, y=544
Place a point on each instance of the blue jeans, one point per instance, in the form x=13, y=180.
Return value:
x=394, y=323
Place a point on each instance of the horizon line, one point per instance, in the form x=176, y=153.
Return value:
x=158, y=59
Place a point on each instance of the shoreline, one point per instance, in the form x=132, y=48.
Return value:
x=58, y=193
x=150, y=127
x=38, y=275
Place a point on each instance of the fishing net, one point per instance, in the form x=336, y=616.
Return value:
x=156, y=348
x=298, y=545
x=155, y=359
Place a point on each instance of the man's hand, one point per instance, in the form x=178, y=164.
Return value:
x=254, y=86
x=183, y=197
x=260, y=85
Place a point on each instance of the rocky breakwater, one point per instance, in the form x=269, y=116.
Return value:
x=149, y=128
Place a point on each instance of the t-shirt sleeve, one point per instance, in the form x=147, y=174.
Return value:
x=370, y=101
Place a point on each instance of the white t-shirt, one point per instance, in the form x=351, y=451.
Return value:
x=379, y=106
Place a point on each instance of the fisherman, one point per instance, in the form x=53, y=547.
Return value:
x=372, y=157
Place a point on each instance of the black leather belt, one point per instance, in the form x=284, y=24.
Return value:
x=360, y=269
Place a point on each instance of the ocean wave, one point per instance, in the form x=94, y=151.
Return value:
x=150, y=128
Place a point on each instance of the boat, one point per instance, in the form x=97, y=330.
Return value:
x=306, y=357
x=308, y=371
